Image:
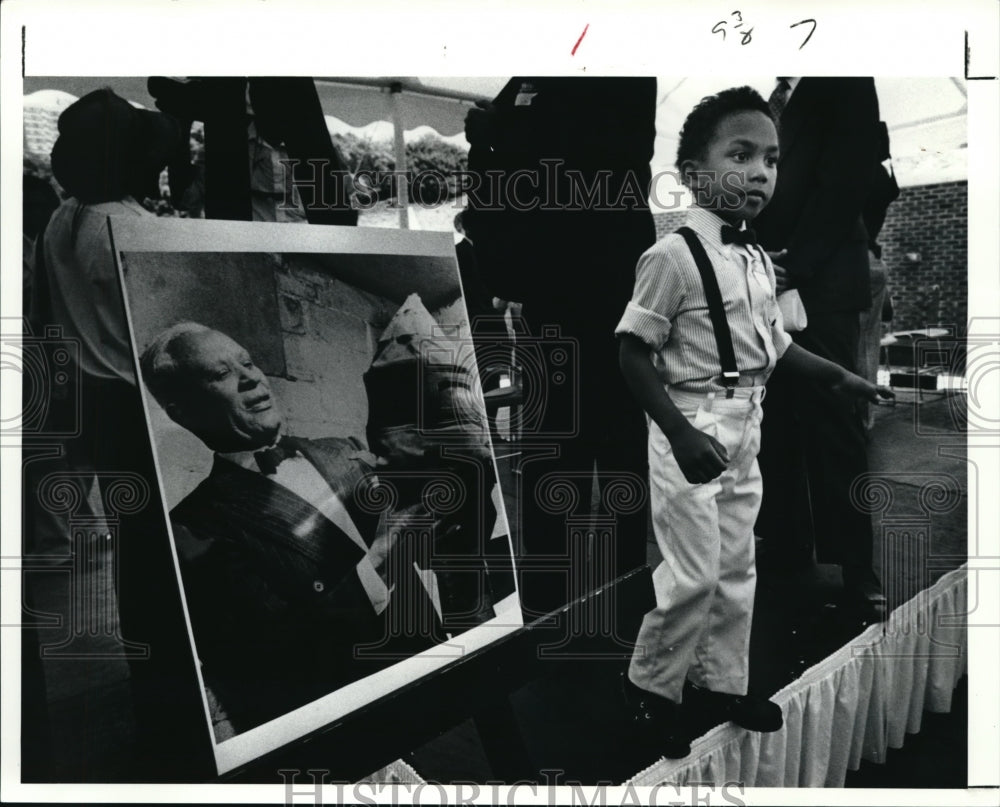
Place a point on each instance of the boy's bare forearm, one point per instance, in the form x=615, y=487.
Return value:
x=805, y=364
x=645, y=384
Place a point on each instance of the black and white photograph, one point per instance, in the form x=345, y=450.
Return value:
x=622, y=427
x=325, y=459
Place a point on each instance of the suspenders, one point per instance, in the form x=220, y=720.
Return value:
x=723, y=337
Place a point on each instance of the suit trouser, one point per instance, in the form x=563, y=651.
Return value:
x=590, y=421
x=836, y=448
x=700, y=627
x=820, y=437
x=870, y=341
x=580, y=425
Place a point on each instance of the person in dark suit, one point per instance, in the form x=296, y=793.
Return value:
x=291, y=589
x=558, y=221
x=814, y=230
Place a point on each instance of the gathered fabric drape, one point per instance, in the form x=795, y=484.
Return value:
x=852, y=706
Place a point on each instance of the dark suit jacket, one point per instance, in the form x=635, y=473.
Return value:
x=545, y=236
x=276, y=605
x=828, y=136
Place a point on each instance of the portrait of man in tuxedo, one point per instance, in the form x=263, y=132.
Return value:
x=286, y=574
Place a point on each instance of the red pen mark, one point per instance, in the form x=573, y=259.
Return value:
x=573, y=52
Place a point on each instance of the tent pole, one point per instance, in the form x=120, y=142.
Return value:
x=399, y=146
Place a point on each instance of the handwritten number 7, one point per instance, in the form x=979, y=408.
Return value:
x=811, y=32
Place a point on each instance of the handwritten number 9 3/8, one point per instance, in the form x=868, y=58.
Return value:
x=746, y=35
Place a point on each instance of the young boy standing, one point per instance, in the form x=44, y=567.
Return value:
x=698, y=367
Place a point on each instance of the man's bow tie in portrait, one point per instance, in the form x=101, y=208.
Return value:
x=268, y=459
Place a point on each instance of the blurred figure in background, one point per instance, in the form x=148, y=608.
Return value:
x=40, y=201
x=563, y=240
x=46, y=534
x=814, y=230
x=885, y=190
x=109, y=155
x=250, y=127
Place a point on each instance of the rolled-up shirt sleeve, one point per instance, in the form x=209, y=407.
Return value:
x=658, y=292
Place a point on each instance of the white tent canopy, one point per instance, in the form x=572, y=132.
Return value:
x=926, y=116
x=405, y=103
x=409, y=102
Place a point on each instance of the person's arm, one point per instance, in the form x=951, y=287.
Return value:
x=484, y=128
x=700, y=456
x=803, y=363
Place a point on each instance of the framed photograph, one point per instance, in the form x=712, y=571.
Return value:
x=323, y=455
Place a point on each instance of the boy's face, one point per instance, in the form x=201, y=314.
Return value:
x=736, y=173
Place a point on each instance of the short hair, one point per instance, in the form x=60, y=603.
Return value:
x=159, y=365
x=701, y=123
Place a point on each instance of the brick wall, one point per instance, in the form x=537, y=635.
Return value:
x=931, y=220
x=668, y=222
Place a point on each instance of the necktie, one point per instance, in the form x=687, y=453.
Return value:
x=269, y=459
x=730, y=235
x=779, y=98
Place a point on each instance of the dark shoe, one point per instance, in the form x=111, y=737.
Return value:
x=659, y=720
x=863, y=595
x=748, y=711
x=870, y=609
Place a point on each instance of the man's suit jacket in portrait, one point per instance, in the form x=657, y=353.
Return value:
x=276, y=603
x=828, y=155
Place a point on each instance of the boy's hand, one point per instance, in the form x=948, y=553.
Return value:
x=854, y=386
x=700, y=456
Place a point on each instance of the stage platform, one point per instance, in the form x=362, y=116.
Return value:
x=573, y=720
x=856, y=704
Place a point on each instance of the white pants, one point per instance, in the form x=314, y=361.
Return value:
x=700, y=627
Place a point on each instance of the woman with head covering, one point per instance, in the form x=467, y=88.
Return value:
x=107, y=158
